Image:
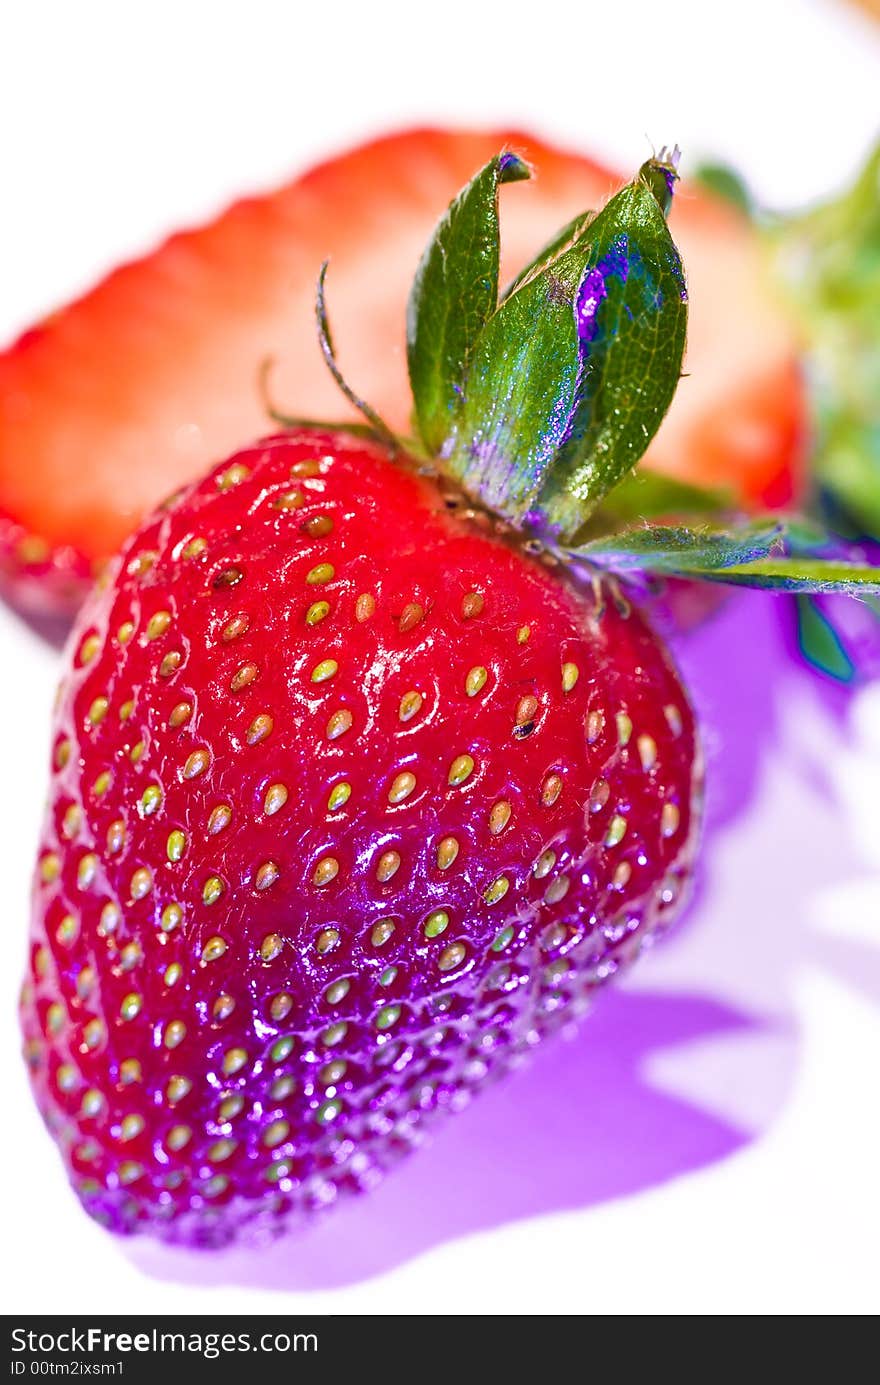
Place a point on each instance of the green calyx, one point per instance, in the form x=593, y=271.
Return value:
x=540, y=401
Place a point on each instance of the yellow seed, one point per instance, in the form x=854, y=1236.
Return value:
x=673, y=719
x=599, y=795
x=86, y=871
x=131, y=1126
x=230, y=1107
x=544, y=864
x=243, y=677
x=476, y=680
x=317, y=611
x=550, y=790
x=50, y=868
x=447, y=850
x=326, y=870
x=125, y=632
x=234, y=1060
x=339, y=723
x=471, y=605
x=67, y=1077
x=62, y=753
x=180, y=715
x=177, y=1088
x=381, y=932
x=259, y=729
x=126, y=711
x=141, y=883
x=621, y=875
x=499, y=817
x=334, y=1034
x=111, y=916
x=333, y=1072
x=130, y=1072
x=451, y=957
x=212, y=889
x=71, y=821
x=223, y=1006
x=219, y=819
x=319, y=527
x=497, y=890
x=131, y=1004
x=669, y=819
x=327, y=940
x=275, y=1134
x=196, y=764
x=402, y=787
x=410, y=704
x=266, y=875
x=324, y=671
x=364, y=607
x=557, y=889
x=647, y=747
x=570, y=674
x=67, y=930
x=214, y=949
x=232, y=476
x=236, y=627
x=339, y=795
x=172, y=917
x=595, y=726
x=130, y=1172
x=274, y=801
x=289, y=500
x=616, y=830
x=102, y=783
x=193, y=549
x=130, y=956
x=175, y=1033
x=173, y=974
x=387, y=866
x=523, y=634
x=94, y=1033
x=271, y=947
x=89, y=648
x=178, y=1138
x=151, y=799
x=136, y=752
x=158, y=624
x=309, y=467
x=337, y=991
x=324, y=572
x=411, y=616
x=461, y=769
x=175, y=845
x=98, y=711
x=526, y=709
x=281, y=1005
x=436, y=923
x=170, y=663
x=624, y=728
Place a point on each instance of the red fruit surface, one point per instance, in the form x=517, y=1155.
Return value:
x=353, y=799
x=115, y=401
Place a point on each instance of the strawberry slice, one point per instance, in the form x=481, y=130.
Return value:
x=118, y=399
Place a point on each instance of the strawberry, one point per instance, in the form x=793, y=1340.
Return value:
x=149, y=379
x=366, y=772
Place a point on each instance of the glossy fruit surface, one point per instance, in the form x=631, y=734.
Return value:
x=116, y=400
x=353, y=799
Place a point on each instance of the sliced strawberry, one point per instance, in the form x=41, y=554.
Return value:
x=118, y=399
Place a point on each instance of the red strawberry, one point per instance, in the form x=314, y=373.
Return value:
x=353, y=800
x=123, y=396
x=361, y=787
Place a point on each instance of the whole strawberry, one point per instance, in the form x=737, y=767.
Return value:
x=361, y=787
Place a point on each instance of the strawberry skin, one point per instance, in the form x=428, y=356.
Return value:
x=354, y=798
x=137, y=388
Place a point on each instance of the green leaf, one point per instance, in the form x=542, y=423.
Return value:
x=650, y=495
x=752, y=555
x=570, y=378
x=820, y=642
x=724, y=182
x=454, y=292
x=829, y=261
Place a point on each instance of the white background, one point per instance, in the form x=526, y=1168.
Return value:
x=120, y=122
